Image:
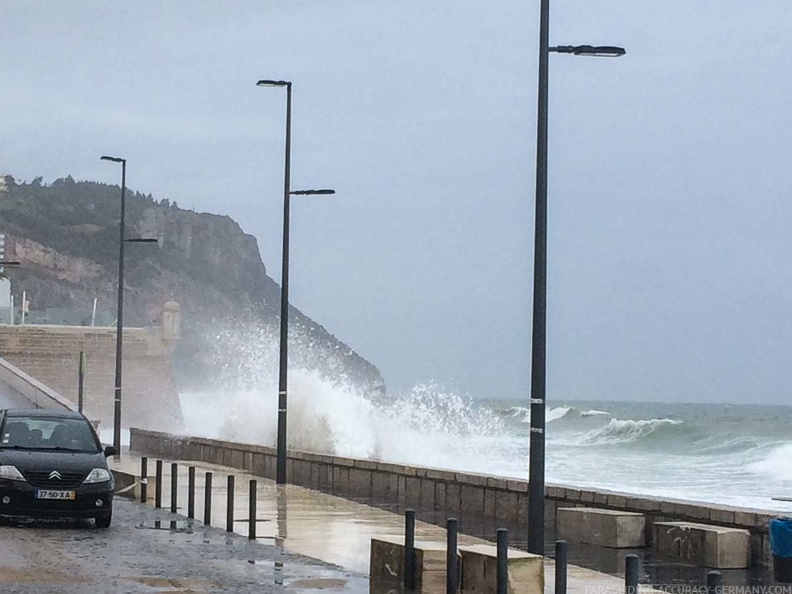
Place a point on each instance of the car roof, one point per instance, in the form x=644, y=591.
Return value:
x=42, y=412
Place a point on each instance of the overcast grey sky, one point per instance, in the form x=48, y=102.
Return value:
x=669, y=229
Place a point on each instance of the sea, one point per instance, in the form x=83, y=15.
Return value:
x=720, y=453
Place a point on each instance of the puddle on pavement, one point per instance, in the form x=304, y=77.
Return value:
x=184, y=526
x=13, y=575
x=173, y=585
x=319, y=584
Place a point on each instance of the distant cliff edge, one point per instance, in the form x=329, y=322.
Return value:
x=66, y=236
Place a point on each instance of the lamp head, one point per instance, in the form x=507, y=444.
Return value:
x=113, y=159
x=322, y=192
x=599, y=51
x=273, y=83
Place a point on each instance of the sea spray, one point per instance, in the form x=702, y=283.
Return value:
x=721, y=454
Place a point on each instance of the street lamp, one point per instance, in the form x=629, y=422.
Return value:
x=280, y=468
x=120, y=316
x=4, y=263
x=536, y=466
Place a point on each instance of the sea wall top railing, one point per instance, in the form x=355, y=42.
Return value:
x=33, y=390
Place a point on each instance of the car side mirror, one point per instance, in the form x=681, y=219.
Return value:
x=110, y=451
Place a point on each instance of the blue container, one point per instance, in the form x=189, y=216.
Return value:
x=781, y=547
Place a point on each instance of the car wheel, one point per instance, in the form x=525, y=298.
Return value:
x=104, y=521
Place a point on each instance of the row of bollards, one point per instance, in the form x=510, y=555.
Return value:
x=631, y=570
x=207, y=520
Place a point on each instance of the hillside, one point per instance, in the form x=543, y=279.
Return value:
x=66, y=235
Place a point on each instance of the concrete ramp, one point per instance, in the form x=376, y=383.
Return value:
x=19, y=390
x=10, y=398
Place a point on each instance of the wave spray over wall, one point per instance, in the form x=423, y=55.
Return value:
x=717, y=453
x=327, y=413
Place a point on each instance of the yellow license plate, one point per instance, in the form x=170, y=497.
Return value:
x=43, y=494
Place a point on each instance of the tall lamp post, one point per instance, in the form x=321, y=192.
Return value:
x=280, y=468
x=120, y=315
x=536, y=466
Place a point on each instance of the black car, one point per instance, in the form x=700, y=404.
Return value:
x=52, y=465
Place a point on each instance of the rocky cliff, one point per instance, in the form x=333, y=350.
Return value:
x=66, y=236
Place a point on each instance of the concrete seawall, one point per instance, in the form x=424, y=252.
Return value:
x=491, y=497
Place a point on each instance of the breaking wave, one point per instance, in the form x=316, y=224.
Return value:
x=619, y=431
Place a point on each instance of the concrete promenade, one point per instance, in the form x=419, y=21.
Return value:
x=314, y=524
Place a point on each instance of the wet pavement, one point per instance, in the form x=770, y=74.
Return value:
x=150, y=550
x=311, y=524
x=306, y=541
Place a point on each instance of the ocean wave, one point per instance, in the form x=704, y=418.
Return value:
x=618, y=431
x=776, y=464
x=523, y=413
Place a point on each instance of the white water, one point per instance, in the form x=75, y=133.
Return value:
x=653, y=455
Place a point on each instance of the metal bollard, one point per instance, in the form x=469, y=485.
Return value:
x=158, y=489
x=409, y=549
x=252, y=510
x=714, y=582
x=452, y=574
x=230, y=504
x=208, y=499
x=502, y=574
x=560, y=567
x=174, y=488
x=631, y=574
x=143, y=480
x=191, y=492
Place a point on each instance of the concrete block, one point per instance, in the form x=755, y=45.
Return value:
x=479, y=570
x=472, y=500
x=412, y=488
x=380, y=486
x=452, y=501
x=386, y=565
x=440, y=496
x=601, y=527
x=427, y=493
x=506, y=506
x=718, y=547
x=360, y=482
x=489, y=503
x=721, y=515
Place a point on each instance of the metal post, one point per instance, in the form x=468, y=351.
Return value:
x=191, y=492
x=208, y=499
x=502, y=573
x=452, y=574
x=631, y=574
x=252, y=510
x=536, y=467
x=280, y=474
x=174, y=487
x=230, y=504
x=143, y=480
x=80, y=381
x=409, y=549
x=158, y=489
x=120, y=316
x=560, y=567
x=714, y=582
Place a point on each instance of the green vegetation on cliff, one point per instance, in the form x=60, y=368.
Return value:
x=66, y=235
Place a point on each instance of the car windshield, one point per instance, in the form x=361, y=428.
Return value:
x=44, y=433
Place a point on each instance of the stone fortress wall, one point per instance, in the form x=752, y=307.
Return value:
x=50, y=354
